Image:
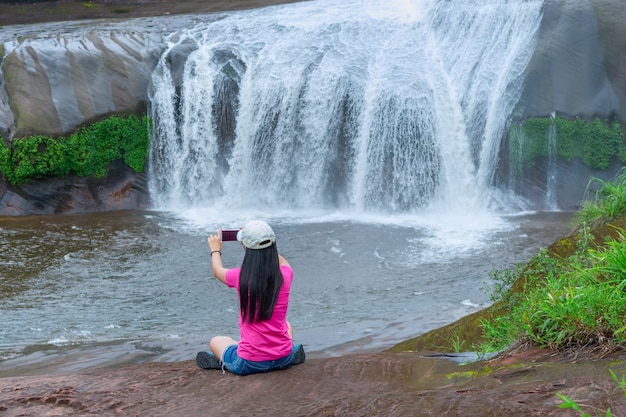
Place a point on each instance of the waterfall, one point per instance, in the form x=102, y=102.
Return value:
x=377, y=106
x=551, y=171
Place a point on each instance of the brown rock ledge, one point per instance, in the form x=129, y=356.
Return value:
x=14, y=12
x=383, y=384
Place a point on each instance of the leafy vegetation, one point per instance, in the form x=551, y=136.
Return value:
x=502, y=281
x=88, y=151
x=577, y=301
x=595, y=142
x=608, y=203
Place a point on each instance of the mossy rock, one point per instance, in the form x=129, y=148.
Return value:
x=464, y=334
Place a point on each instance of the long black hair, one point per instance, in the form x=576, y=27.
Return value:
x=260, y=281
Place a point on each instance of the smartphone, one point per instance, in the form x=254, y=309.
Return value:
x=229, y=235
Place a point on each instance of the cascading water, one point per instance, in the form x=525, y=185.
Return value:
x=377, y=106
x=552, y=171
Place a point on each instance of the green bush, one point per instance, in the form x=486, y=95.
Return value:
x=5, y=158
x=87, y=152
x=528, y=142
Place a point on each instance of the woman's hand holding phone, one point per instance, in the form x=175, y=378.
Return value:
x=229, y=235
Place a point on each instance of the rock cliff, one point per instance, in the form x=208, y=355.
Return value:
x=572, y=71
x=65, y=76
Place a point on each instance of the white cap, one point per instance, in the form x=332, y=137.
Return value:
x=256, y=234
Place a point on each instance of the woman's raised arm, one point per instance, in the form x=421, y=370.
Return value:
x=215, y=245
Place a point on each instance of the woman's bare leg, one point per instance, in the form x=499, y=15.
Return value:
x=219, y=344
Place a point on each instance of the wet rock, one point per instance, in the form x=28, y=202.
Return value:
x=569, y=71
x=59, y=82
x=401, y=384
x=120, y=189
x=578, y=69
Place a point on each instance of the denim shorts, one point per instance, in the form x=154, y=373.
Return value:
x=241, y=366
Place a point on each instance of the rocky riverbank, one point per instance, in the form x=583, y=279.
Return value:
x=524, y=383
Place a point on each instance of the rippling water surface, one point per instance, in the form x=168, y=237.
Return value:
x=137, y=286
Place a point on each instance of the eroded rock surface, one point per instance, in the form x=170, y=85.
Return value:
x=59, y=81
x=389, y=385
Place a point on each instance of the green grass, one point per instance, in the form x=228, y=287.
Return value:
x=575, y=302
x=580, y=302
x=609, y=201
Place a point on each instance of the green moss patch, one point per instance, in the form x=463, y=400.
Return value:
x=594, y=142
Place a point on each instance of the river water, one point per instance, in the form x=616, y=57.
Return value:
x=92, y=289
